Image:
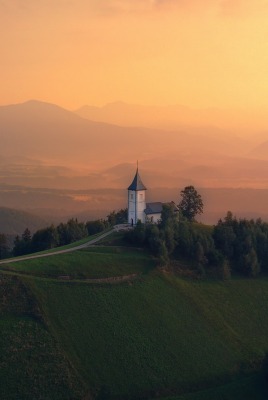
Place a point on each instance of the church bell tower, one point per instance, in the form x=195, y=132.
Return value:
x=136, y=200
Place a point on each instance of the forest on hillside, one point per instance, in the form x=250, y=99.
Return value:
x=229, y=247
x=55, y=236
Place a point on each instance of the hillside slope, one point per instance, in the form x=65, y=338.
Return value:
x=153, y=336
x=32, y=364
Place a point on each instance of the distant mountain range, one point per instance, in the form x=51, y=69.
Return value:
x=177, y=117
x=56, y=136
x=43, y=144
x=58, y=162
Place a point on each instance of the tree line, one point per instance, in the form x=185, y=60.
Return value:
x=232, y=246
x=60, y=235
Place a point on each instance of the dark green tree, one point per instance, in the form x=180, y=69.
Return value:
x=191, y=203
x=169, y=238
x=17, y=246
x=168, y=226
x=168, y=215
x=117, y=217
x=96, y=226
x=185, y=239
x=26, y=240
x=163, y=254
x=224, y=238
x=71, y=231
x=3, y=246
x=44, y=239
x=251, y=263
x=26, y=236
x=22, y=245
x=154, y=240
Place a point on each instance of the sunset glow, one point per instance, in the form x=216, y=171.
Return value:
x=199, y=53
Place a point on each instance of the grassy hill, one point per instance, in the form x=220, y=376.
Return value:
x=154, y=336
x=33, y=365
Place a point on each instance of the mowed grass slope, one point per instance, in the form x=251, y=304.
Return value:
x=159, y=334
x=134, y=339
x=90, y=263
x=253, y=387
x=155, y=336
x=32, y=364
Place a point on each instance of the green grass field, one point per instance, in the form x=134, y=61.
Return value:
x=159, y=336
x=90, y=263
x=32, y=364
x=253, y=387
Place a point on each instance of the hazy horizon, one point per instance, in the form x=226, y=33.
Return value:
x=236, y=121
x=200, y=54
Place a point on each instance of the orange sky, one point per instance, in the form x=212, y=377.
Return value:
x=199, y=53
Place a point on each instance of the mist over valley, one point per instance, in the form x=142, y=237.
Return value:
x=54, y=162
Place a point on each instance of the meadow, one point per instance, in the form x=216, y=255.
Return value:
x=157, y=336
x=89, y=263
x=33, y=365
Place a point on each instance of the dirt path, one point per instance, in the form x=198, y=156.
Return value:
x=111, y=279
x=63, y=251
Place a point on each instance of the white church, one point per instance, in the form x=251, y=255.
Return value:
x=138, y=209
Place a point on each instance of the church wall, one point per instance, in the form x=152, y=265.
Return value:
x=136, y=206
x=131, y=207
x=141, y=205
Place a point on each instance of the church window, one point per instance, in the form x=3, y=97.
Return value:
x=141, y=196
x=131, y=197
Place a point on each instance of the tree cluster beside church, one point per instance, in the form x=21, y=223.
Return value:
x=232, y=245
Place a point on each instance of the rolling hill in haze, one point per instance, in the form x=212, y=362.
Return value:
x=14, y=222
x=54, y=161
x=176, y=116
x=49, y=133
x=41, y=140
x=46, y=132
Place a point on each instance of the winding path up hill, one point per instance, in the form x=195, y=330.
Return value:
x=90, y=242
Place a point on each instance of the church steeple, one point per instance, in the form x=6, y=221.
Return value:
x=137, y=182
x=136, y=200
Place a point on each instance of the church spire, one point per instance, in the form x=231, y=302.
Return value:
x=137, y=182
